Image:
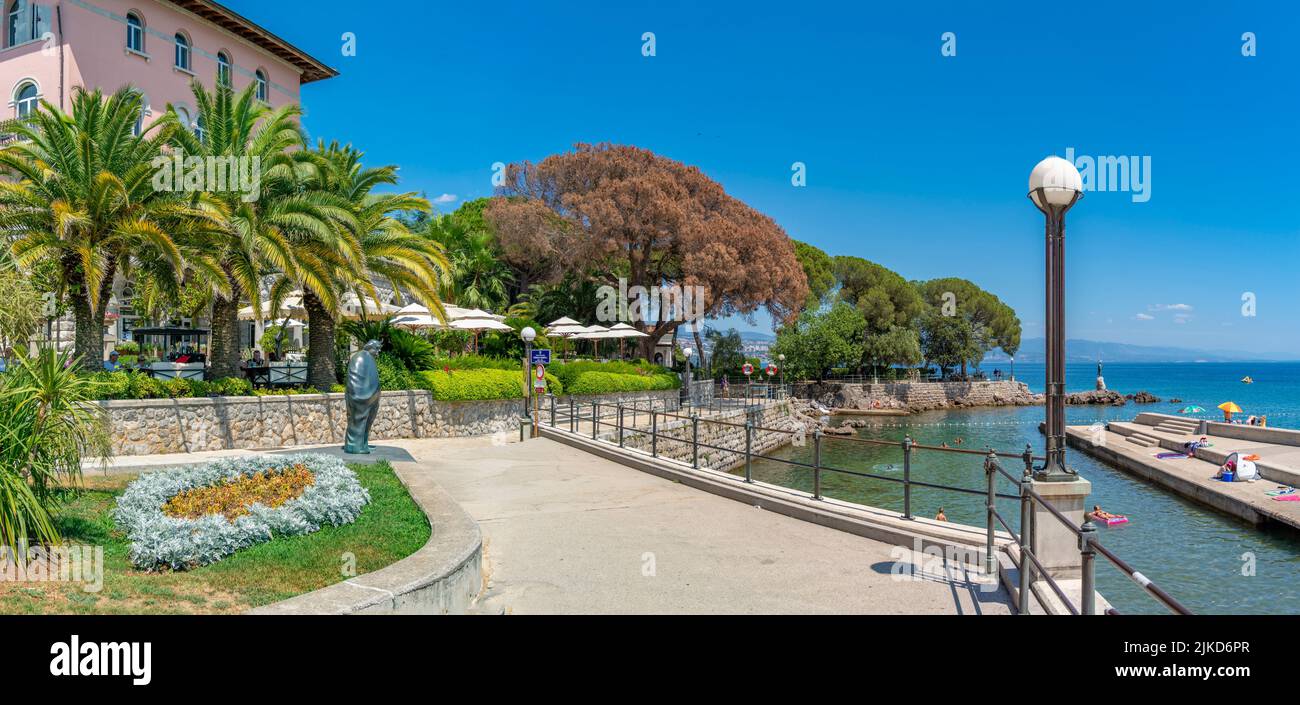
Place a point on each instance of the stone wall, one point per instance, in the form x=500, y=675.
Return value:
x=156, y=426
x=917, y=396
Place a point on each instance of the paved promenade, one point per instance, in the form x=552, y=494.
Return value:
x=570, y=533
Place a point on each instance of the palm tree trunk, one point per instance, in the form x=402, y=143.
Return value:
x=224, y=351
x=320, y=343
x=88, y=340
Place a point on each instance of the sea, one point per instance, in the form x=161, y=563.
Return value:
x=1210, y=561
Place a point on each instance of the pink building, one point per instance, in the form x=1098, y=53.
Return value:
x=158, y=46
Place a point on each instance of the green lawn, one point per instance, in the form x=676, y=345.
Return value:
x=391, y=527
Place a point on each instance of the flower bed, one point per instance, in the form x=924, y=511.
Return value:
x=333, y=497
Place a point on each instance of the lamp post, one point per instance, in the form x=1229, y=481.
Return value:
x=529, y=335
x=781, y=357
x=1054, y=187
x=690, y=388
x=1013, y=368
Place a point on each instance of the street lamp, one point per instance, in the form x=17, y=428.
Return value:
x=781, y=357
x=1013, y=368
x=1054, y=187
x=529, y=335
x=690, y=388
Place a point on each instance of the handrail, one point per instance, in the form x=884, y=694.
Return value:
x=1088, y=544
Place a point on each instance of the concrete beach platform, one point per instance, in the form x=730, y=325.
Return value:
x=1133, y=446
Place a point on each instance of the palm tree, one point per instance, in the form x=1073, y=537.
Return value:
x=278, y=229
x=478, y=276
x=85, y=197
x=388, y=249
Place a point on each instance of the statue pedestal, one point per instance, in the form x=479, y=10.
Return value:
x=1101, y=384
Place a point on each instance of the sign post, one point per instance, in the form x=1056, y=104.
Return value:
x=539, y=388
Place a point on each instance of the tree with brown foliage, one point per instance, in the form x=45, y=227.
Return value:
x=660, y=223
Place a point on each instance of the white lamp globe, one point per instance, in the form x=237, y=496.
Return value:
x=528, y=334
x=1059, y=180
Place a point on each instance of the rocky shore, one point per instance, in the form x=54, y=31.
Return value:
x=913, y=397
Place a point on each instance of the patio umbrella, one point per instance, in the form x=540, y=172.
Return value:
x=290, y=307
x=623, y=331
x=413, y=309
x=355, y=308
x=564, y=328
x=474, y=325
x=592, y=333
x=1191, y=410
x=1229, y=408
x=416, y=322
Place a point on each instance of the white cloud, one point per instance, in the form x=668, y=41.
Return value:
x=1144, y=317
x=1169, y=307
x=446, y=198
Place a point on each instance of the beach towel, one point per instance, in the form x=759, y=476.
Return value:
x=1170, y=456
x=1281, y=491
x=1287, y=498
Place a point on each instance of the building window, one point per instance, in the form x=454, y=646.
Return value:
x=260, y=78
x=134, y=33
x=26, y=98
x=198, y=127
x=182, y=52
x=138, y=128
x=27, y=22
x=223, y=69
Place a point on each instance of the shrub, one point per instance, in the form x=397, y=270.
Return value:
x=608, y=382
x=334, y=498
x=127, y=348
x=477, y=384
x=47, y=424
x=234, y=498
x=568, y=372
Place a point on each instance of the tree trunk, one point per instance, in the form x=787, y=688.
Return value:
x=321, y=373
x=88, y=340
x=224, y=350
x=699, y=347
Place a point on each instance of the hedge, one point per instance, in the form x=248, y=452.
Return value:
x=479, y=384
x=607, y=382
x=568, y=372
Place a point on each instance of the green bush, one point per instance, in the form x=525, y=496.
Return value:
x=483, y=383
x=570, y=371
x=609, y=382
x=137, y=385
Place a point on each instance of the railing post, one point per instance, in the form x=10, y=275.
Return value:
x=749, y=444
x=695, y=440
x=620, y=424
x=595, y=418
x=1026, y=542
x=654, y=433
x=990, y=470
x=1088, y=585
x=552, y=410
x=522, y=421
x=573, y=420
x=907, y=477
x=817, y=463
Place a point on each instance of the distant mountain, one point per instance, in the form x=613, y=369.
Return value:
x=1032, y=351
x=756, y=335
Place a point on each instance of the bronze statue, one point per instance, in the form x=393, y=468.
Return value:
x=362, y=398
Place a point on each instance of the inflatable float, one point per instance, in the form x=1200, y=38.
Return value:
x=1110, y=521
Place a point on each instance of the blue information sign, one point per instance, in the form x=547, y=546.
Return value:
x=540, y=357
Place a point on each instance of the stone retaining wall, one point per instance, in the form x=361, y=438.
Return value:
x=917, y=396
x=155, y=426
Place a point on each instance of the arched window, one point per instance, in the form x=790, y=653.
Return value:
x=223, y=68
x=182, y=52
x=27, y=22
x=26, y=98
x=138, y=128
x=260, y=78
x=134, y=32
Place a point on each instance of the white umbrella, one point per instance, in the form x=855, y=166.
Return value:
x=478, y=324
x=290, y=307
x=563, y=321
x=415, y=322
x=414, y=309
x=455, y=313
x=355, y=308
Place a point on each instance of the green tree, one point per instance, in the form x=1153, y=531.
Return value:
x=387, y=248
x=282, y=229
x=83, y=196
x=819, y=268
x=728, y=352
x=947, y=341
x=896, y=346
x=992, y=324
x=477, y=277
x=821, y=340
x=885, y=300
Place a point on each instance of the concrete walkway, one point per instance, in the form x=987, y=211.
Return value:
x=570, y=533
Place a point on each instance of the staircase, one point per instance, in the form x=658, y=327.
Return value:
x=1178, y=427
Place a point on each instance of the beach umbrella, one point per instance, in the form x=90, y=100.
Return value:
x=563, y=321
x=416, y=322
x=413, y=309
x=1191, y=410
x=1230, y=407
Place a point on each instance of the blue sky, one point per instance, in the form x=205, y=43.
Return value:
x=914, y=160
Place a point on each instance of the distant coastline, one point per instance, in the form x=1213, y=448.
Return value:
x=1080, y=351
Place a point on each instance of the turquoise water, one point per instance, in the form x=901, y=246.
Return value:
x=1198, y=555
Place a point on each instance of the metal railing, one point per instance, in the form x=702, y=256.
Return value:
x=589, y=418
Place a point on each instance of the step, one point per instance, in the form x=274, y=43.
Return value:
x=1142, y=440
